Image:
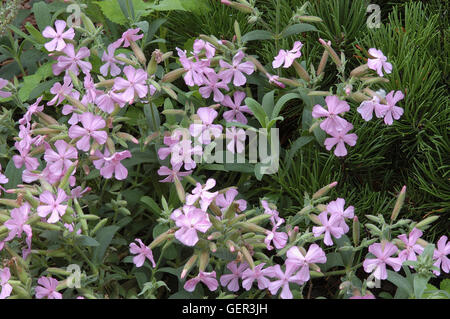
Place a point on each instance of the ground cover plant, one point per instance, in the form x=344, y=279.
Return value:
x=224, y=149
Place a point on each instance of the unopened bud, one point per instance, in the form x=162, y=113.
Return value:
x=332, y=53
x=238, y=6
x=173, y=75
x=324, y=190
x=180, y=190
x=301, y=71
x=399, y=203
x=314, y=219
x=188, y=265
x=252, y=227
x=356, y=231
x=127, y=137
x=360, y=70
x=427, y=221
x=161, y=238
x=203, y=260
x=247, y=257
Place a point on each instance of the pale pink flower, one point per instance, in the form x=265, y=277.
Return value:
x=53, y=206
x=259, y=274
x=172, y=173
x=284, y=278
x=92, y=127
x=33, y=108
x=223, y=201
x=279, y=238
x=190, y=220
x=47, y=288
x=206, y=129
x=135, y=84
x=391, y=110
x=5, y=274
x=3, y=179
x=273, y=79
x=379, y=62
x=383, y=253
x=367, y=107
x=275, y=218
x=61, y=159
x=73, y=60
x=440, y=255
x=142, y=252
x=195, y=71
x=315, y=255
x=237, y=110
x=236, y=70
x=329, y=226
x=4, y=83
x=107, y=102
x=180, y=151
x=231, y=281
x=201, y=193
x=200, y=45
x=110, y=164
x=333, y=122
x=60, y=90
x=337, y=208
x=111, y=62
x=412, y=248
x=212, y=85
x=31, y=163
x=287, y=57
x=236, y=138
x=208, y=278
x=58, y=36
x=128, y=36
x=340, y=137
x=17, y=225
x=90, y=89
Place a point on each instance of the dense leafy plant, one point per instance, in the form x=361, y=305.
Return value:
x=109, y=110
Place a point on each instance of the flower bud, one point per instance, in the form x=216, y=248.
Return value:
x=180, y=190
x=212, y=247
x=320, y=93
x=161, y=238
x=105, y=83
x=127, y=137
x=332, y=53
x=426, y=221
x=203, y=260
x=173, y=75
x=238, y=6
x=237, y=31
x=360, y=70
x=188, y=265
x=301, y=71
x=247, y=257
x=314, y=219
x=252, y=227
x=47, y=118
x=126, y=60
x=138, y=53
x=356, y=231
x=398, y=203
x=324, y=190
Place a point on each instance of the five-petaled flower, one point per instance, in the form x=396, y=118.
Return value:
x=141, y=253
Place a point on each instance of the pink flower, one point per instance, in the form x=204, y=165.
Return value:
x=378, y=62
x=250, y=275
x=3, y=179
x=279, y=238
x=109, y=57
x=284, y=278
x=329, y=227
x=92, y=125
x=142, y=252
x=206, y=129
x=190, y=220
x=273, y=79
x=60, y=90
x=73, y=60
x=409, y=253
x=275, y=219
x=223, y=201
x=237, y=110
x=391, y=110
x=194, y=70
x=287, y=57
x=181, y=151
x=130, y=35
x=172, y=173
x=212, y=85
x=231, y=281
x=47, y=288
x=200, y=45
x=236, y=138
x=33, y=108
x=90, y=89
x=109, y=165
x=208, y=278
x=366, y=296
x=383, y=253
x=314, y=255
x=31, y=163
x=60, y=160
x=58, y=36
x=5, y=274
x=367, y=107
x=4, y=83
x=201, y=192
x=53, y=205
x=440, y=255
x=337, y=208
x=107, y=102
x=333, y=122
x=17, y=225
x=136, y=84
x=339, y=138
x=236, y=70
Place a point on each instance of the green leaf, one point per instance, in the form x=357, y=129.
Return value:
x=41, y=14
x=159, y=229
x=83, y=240
x=282, y=101
x=401, y=282
x=104, y=237
x=297, y=28
x=154, y=26
x=169, y=5
x=296, y=146
x=445, y=285
x=257, y=35
x=420, y=283
x=111, y=10
x=14, y=176
x=257, y=110
x=268, y=102
x=151, y=204
x=333, y=260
